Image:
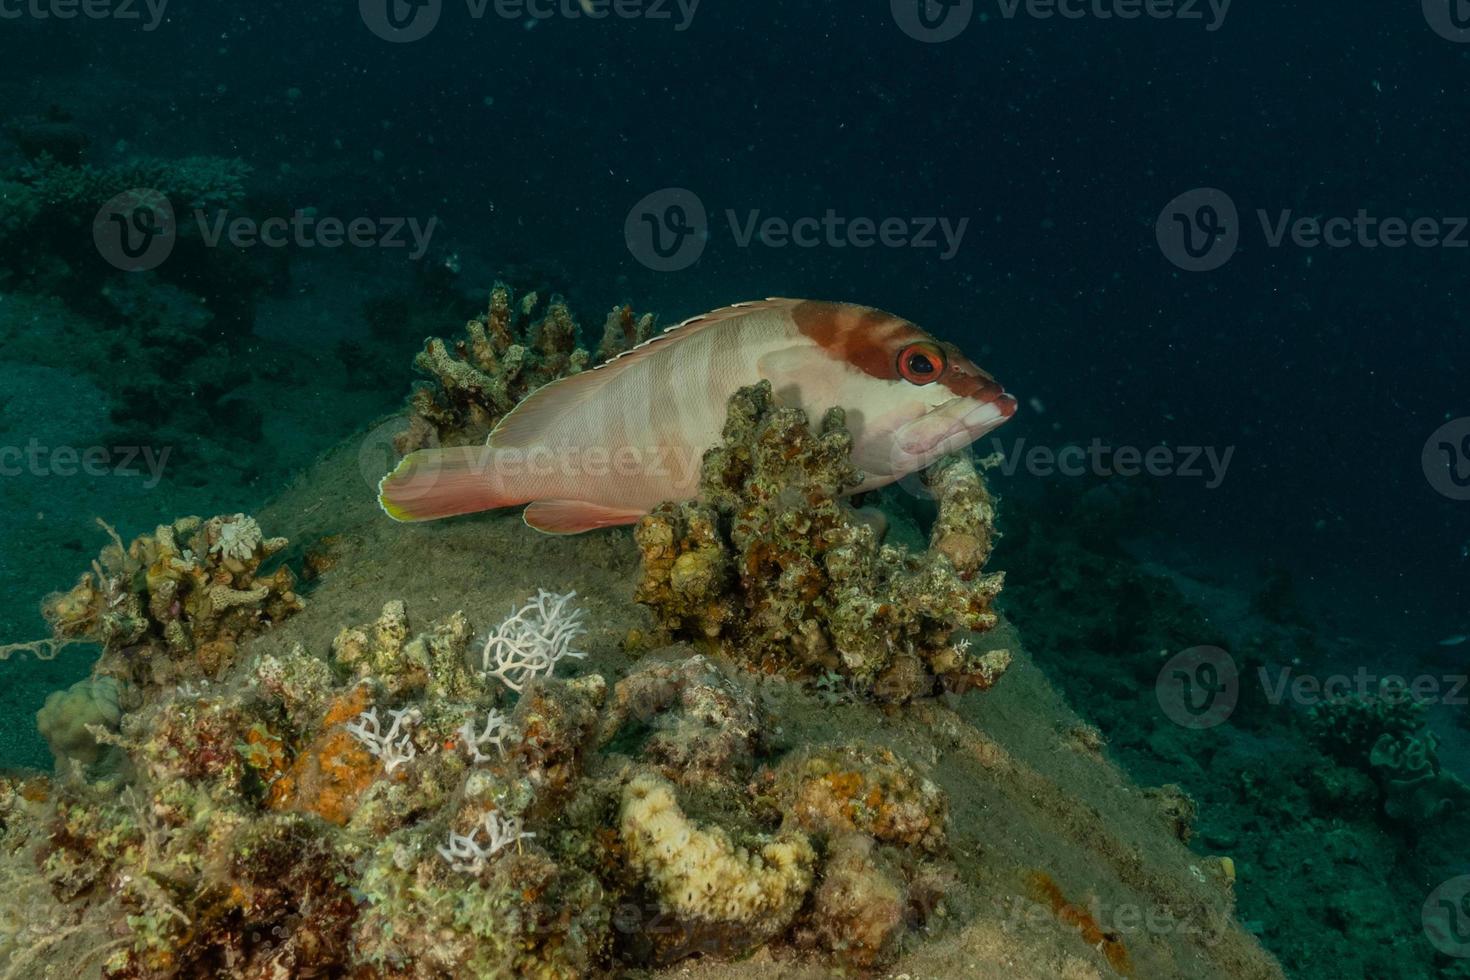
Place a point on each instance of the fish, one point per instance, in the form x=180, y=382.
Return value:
x=603, y=447
x=1454, y=641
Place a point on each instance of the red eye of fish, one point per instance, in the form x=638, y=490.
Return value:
x=920, y=363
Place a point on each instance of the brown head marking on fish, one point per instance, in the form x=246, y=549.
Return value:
x=891, y=348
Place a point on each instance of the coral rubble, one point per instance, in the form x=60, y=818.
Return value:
x=772, y=563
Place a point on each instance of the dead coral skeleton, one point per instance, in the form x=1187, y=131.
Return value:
x=465, y=853
x=533, y=640
x=395, y=746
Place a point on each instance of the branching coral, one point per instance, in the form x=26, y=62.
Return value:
x=176, y=604
x=395, y=746
x=773, y=564
x=533, y=640
x=504, y=356
x=466, y=854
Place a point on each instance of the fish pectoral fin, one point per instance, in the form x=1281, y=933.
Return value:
x=576, y=516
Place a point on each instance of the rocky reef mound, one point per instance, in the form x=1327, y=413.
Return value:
x=746, y=737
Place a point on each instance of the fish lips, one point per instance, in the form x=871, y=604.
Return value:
x=953, y=425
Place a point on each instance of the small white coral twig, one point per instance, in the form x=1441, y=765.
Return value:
x=497, y=727
x=533, y=640
x=395, y=746
x=465, y=853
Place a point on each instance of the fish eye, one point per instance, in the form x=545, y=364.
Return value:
x=921, y=363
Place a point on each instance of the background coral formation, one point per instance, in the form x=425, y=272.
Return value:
x=505, y=354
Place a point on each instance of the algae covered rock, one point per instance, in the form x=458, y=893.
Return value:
x=775, y=566
x=861, y=789
x=689, y=718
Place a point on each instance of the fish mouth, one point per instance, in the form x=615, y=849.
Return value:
x=954, y=425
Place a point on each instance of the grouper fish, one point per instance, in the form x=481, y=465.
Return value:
x=606, y=446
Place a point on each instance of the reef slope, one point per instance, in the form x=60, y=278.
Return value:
x=1058, y=865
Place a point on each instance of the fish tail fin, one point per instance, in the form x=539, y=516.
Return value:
x=432, y=483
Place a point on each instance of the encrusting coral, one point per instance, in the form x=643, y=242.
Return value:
x=504, y=355
x=772, y=562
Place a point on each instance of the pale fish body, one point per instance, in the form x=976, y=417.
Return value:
x=606, y=446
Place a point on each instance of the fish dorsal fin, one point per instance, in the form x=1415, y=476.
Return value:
x=523, y=426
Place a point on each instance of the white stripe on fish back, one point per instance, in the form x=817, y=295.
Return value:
x=672, y=403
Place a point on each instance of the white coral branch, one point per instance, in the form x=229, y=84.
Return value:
x=497, y=728
x=465, y=853
x=533, y=640
x=395, y=746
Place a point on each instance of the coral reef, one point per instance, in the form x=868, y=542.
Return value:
x=774, y=565
x=1383, y=735
x=469, y=798
x=305, y=815
x=173, y=606
x=505, y=354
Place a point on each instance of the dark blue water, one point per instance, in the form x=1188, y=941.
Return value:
x=1048, y=149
